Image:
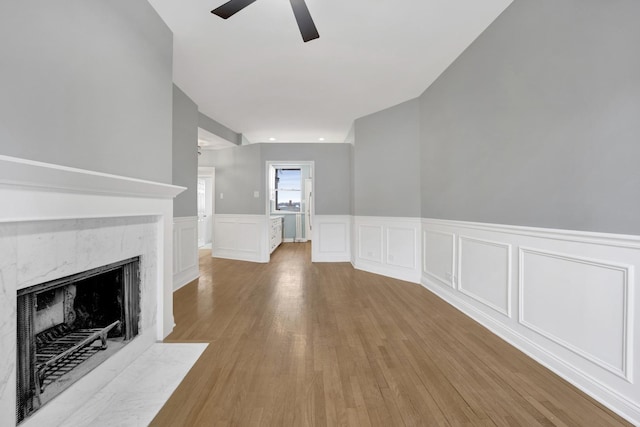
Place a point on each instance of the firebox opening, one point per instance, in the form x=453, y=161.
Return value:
x=69, y=326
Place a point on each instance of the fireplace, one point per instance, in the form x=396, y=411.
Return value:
x=68, y=326
x=59, y=222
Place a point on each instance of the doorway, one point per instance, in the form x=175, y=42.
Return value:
x=206, y=200
x=290, y=190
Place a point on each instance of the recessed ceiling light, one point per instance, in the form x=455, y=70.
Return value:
x=320, y=139
x=272, y=139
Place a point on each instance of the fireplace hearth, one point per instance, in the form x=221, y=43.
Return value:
x=67, y=327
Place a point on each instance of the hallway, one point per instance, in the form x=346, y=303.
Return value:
x=295, y=343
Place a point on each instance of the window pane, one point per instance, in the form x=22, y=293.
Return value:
x=288, y=200
x=288, y=194
x=288, y=179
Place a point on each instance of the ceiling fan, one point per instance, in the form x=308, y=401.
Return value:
x=303, y=17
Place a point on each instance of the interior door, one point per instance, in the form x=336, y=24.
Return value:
x=202, y=212
x=308, y=198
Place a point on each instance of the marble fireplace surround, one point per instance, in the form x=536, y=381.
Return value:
x=56, y=221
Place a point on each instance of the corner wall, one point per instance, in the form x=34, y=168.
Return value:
x=185, y=174
x=185, y=153
x=386, y=165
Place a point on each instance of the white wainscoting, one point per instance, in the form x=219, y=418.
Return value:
x=388, y=246
x=484, y=272
x=241, y=237
x=185, y=251
x=331, y=240
x=565, y=298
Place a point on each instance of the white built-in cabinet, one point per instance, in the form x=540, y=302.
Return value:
x=275, y=231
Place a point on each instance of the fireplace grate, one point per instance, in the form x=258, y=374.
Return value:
x=60, y=354
x=55, y=372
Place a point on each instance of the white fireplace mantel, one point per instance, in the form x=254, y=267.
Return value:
x=36, y=195
x=29, y=174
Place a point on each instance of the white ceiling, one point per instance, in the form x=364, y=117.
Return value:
x=254, y=74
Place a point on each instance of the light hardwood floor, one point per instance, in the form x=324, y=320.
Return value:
x=296, y=344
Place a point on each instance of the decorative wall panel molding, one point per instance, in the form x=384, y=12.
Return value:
x=484, y=272
x=241, y=237
x=370, y=238
x=388, y=246
x=565, y=298
x=185, y=251
x=590, y=296
x=438, y=256
x=401, y=244
x=331, y=240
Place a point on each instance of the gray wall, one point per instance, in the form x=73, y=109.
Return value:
x=238, y=174
x=386, y=162
x=185, y=153
x=351, y=140
x=241, y=170
x=87, y=84
x=538, y=122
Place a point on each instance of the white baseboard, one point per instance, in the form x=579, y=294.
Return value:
x=185, y=277
x=387, y=246
x=185, y=251
x=565, y=298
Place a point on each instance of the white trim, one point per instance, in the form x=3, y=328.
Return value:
x=618, y=240
x=450, y=282
x=185, y=251
x=184, y=278
x=29, y=174
x=241, y=237
x=360, y=248
x=600, y=392
x=459, y=285
x=381, y=257
x=614, y=386
x=627, y=272
x=331, y=240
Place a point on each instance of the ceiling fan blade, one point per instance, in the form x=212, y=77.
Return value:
x=307, y=28
x=230, y=8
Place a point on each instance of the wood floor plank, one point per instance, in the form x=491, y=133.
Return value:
x=294, y=343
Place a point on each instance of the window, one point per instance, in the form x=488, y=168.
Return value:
x=287, y=189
